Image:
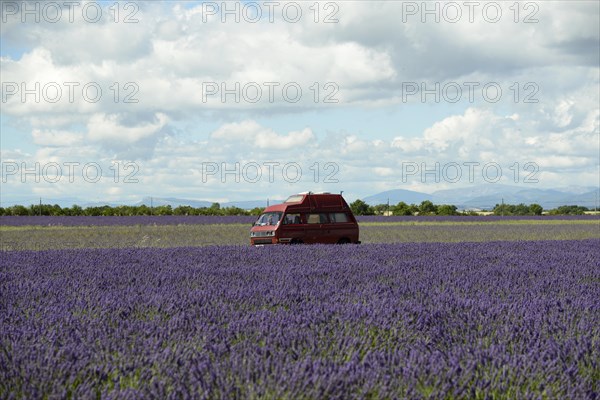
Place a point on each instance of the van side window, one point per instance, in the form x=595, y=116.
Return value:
x=338, y=217
x=316, y=218
x=292, y=219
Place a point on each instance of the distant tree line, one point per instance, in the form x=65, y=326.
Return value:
x=426, y=207
x=536, y=209
x=56, y=210
x=358, y=207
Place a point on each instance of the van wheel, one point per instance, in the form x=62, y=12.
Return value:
x=343, y=241
x=296, y=241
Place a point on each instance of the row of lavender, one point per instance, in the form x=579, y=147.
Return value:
x=468, y=320
x=124, y=220
x=127, y=236
x=246, y=219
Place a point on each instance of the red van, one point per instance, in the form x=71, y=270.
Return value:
x=306, y=218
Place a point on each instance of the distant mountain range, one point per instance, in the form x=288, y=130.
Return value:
x=487, y=196
x=475, y=197
x=174, y=202
x=395, y=196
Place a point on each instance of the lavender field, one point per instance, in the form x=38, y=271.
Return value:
x=125, y=220
x=244, y=219
x=406, y=320
x=15, y=238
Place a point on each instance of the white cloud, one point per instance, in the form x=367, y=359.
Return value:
x=245, y=130
x=384, y=171
x=171, y=53
x=291, y=141
x=256, y=136
x=409, y=145
x=56, y=138
x=562, y=113
x=108, y=129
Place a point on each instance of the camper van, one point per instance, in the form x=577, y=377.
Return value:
x=306, y=218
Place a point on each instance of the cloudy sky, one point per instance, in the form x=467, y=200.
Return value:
x=116, y=101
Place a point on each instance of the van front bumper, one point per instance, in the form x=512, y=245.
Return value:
x=264, y=241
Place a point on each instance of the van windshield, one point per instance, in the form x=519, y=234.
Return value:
x=270, y=218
